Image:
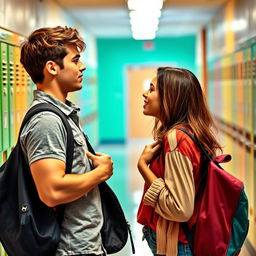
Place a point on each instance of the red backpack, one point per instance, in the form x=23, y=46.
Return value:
x=220, y=219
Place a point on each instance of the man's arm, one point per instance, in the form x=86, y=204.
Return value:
x=55, y=187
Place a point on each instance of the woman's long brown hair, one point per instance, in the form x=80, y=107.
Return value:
x=183, y=104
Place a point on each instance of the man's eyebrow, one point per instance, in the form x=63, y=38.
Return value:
x=77, y=56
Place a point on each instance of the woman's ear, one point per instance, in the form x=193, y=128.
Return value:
x=51, y=67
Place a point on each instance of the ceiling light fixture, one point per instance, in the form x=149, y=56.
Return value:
x=144, y=18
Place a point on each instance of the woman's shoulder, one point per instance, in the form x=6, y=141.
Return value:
x=170, y=139
x=177, y=139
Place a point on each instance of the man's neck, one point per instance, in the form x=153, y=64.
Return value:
x=51, y=90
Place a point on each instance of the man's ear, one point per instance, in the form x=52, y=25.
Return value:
x=51, y=67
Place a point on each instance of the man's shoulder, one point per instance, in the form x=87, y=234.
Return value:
x=45, y=120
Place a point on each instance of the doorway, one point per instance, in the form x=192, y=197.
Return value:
x=139, y=125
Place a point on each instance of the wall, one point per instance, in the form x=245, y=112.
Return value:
x=232, y=25
x=231, y=51
x=19, y=19
x=114, y=55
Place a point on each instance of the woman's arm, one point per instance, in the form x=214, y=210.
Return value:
x=173, y=197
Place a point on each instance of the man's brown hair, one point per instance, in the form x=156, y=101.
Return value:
x=46, y=44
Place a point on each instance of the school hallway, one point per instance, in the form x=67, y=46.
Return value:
x=215, y=39
x=128, y=185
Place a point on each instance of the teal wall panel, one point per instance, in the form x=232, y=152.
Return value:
x=114, y=55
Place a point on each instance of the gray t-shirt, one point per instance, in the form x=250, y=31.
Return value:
x=45, y=136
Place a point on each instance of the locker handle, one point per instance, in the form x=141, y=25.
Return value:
x=5, y=91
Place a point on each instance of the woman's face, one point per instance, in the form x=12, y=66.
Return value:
x=151, y=105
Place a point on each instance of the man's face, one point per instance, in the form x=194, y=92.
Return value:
x=70, y=77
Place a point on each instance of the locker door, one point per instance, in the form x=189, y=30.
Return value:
x=240, y=89
x=2, y=252
x=253, y=64
x=233, y=90
x=1, y=114
x=226, y=89
x=17, y=91
x=217, y=90
x=11, y=95
x=4, y=96
x=249, y=152
x=24, y=92
x=226, y=108
x=253, y=70
x=210, y=89
x=30, y=89
x=248, y=97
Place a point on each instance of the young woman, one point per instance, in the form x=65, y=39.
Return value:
x=171, y=165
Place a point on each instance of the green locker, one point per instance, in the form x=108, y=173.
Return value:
x=4, y=95
x=1, y=123
x=11, y=95
x=2, y=252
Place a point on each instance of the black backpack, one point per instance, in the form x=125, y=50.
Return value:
x=115, y=228
x=28, y=227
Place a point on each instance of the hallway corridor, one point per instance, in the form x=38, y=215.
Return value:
x=128, y=184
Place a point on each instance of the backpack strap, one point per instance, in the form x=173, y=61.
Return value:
x=197, y=143
x=204, y=163
x=190, y=232
x=40, y=107
x=89, y=146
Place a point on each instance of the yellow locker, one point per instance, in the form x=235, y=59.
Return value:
x=249, y=162
x=24, y=92
x=240, y=89
x=226, y=89
x=17, y=91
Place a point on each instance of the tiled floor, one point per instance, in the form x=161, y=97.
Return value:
x=128, y=184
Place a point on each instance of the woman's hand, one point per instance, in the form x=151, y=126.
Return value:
x=149, y=153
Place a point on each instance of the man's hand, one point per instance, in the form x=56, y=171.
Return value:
x=102, y=163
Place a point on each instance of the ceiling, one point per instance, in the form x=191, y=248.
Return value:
x=110, y=18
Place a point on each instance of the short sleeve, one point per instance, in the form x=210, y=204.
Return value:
x=44, y=136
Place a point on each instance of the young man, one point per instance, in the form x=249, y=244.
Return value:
x=51, y=56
